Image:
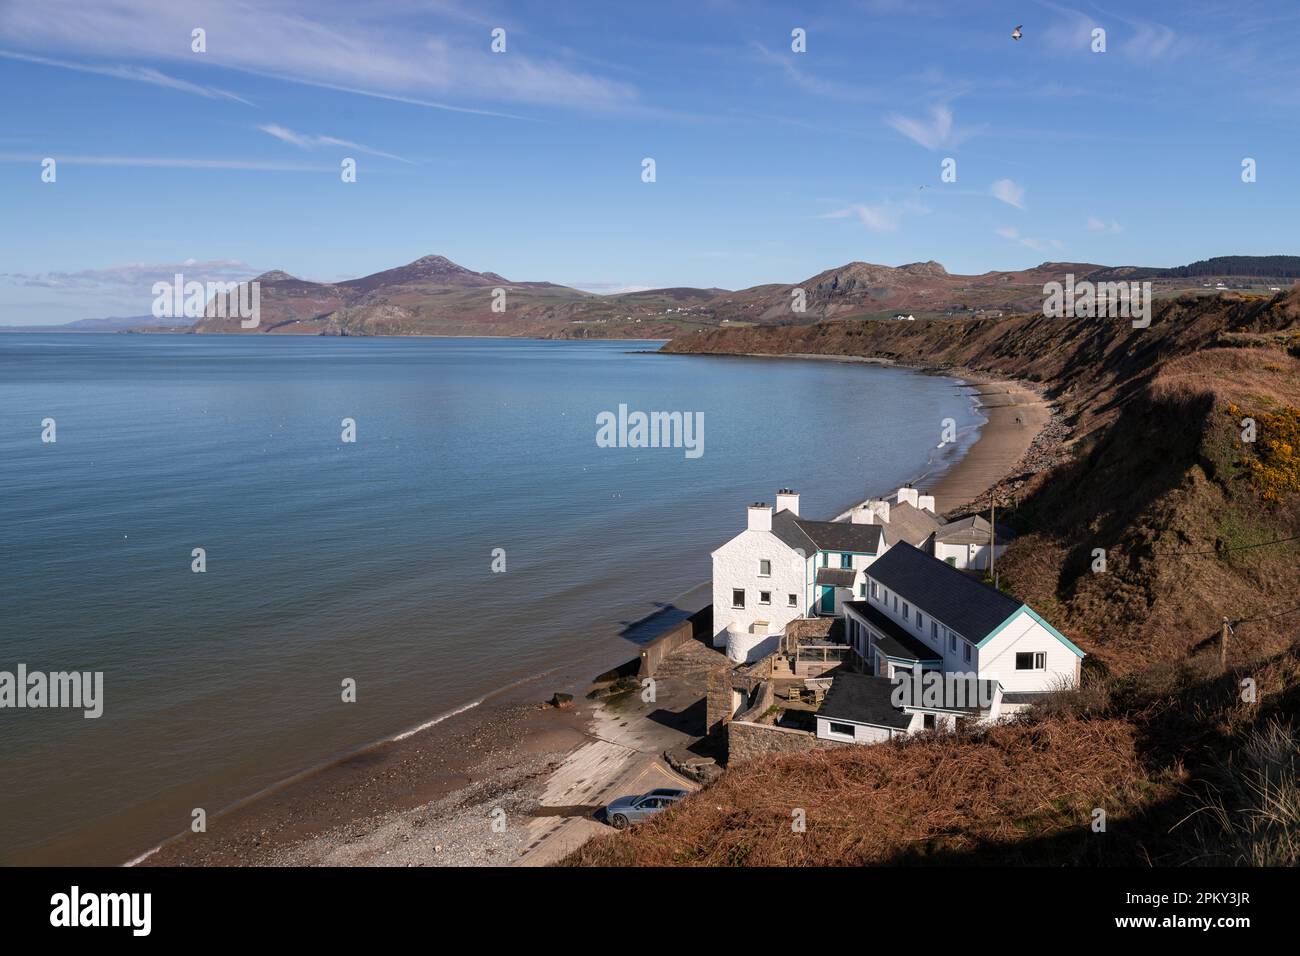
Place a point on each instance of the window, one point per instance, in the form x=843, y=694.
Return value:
x=845, y=730
x=765, y=569
x=951, y=561
x=1031, y=661
x=793, y=600
x=862, y=589
x=764, y=597
x=895, y=603
x=846, y=560
x=928, y=721
x=934, y=631
x=737, y=597
x=875, y=590
x=907, y=611
x=952, y=641
x=920, y=621
x=966, y=652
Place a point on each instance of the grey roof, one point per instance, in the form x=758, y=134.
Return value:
x=958, y=693
x=894, y=641
x=839, y=577
x=910, y=524
x=811, y=536
x=969, y=607
x=864, y=700
x=972, y=529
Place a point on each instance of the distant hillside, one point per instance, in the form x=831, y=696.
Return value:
x=109, y=324
x=435, y=296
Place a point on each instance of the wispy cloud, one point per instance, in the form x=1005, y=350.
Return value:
x=310, y=141
x=167, y=162
x=805, y=80
x=374, y=51
x=135, y=275
x=881, y=217
x=936, y=133
x=1097, y=225
x=1039, y=245
x=1007, y=191
x=1140, y=40
x=138, y=74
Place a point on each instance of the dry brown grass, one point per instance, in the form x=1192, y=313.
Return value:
x=872, y=805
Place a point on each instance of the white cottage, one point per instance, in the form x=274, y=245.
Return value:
x=982, y=653
x=782, y=568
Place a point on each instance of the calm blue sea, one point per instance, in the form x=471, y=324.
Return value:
x=369, y=560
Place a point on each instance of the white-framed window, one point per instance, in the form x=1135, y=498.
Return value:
x=764, y=569
x=737, y=597
x=966, y=652
x=1031, y=661
x=842, y=730
x=764, y=597
x=875, y=590
x=793, y=600
x=862, y=589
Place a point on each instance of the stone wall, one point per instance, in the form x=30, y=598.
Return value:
x=747, y=740
x=698, y=625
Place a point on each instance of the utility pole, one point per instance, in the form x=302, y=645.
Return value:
x=993, y=538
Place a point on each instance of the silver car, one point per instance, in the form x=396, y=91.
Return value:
x=626, y=810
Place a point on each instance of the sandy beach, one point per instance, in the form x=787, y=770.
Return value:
x=516, y=782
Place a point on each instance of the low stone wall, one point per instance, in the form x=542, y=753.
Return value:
x=764, y=698
x=747, y=740
x=653, y=653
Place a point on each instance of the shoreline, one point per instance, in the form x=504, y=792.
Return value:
x=418, y=797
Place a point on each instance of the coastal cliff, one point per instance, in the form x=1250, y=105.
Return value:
x=1181, y=471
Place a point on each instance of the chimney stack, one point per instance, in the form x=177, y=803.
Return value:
x=760, y=517
x=787, y=499
x=875, y=511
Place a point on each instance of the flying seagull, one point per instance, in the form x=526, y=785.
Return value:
x=1016, y=34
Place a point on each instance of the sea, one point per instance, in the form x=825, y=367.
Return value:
x=240, y=532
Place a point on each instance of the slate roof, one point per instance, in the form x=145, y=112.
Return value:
x=910, y=524
x=973, y=529
x=863, y=699
x=957, y=693
x=969, y=607
x=894, y=640
x=839, y=577
x=812, y=536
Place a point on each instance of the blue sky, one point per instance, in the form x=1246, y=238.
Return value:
x=771, y=165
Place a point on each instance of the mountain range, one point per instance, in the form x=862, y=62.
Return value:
x=435, y=296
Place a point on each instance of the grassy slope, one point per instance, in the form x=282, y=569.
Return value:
x=1158, y=737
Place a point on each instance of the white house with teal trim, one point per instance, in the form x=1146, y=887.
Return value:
x=782, y=568
x=922, y=614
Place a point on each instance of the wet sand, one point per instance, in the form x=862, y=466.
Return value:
x=1016, y=414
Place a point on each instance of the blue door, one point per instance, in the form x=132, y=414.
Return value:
x=827, y=602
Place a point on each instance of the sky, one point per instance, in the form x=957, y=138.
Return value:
x=770, y=165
